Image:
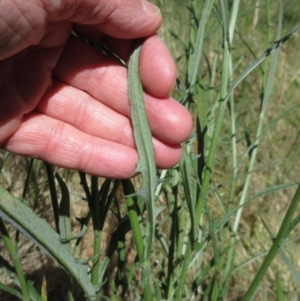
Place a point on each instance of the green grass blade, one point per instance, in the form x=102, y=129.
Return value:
x=276, y=244
x=135, y=219
x=13, y=251
x=284, y=256
x=279, y=289
x=264, y=106
x=190, y=190
x=261, y=193
x=53, y=194
x=142, y=135
x=198, y=47
x=40, y=232
x=275, y=45
x=64, y=210
x=11, y=290
x=219, y=116
x=34, y=295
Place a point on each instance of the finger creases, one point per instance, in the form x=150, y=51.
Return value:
x=105, y=80
x=61, y=144
x=79, y=109
x=130, y=18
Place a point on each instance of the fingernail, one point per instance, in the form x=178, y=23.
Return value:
x=149, y=8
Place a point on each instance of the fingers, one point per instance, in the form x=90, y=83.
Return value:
x=24, y=23
x=61, y=144
x=78, y=108
x=120, y=19
x=169, y=120
x=155, y=57
x=160, y=70
x=70, y=105
x=157, y=68
x=105, y=80
x=83, y=123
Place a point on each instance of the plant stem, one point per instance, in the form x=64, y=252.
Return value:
x=12, y=249
x=219, y=117
x=133, y=215
x=229, y=260
x=135, y=226
x=264, y=105
x=184, y=270
x=276, y=244
x=96, y=227
x=173, y=238
x=53, y=194
x=133, y=211
x=26, y=185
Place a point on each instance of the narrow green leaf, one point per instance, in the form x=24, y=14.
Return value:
x=143, y=140
x=261, y=193
x=275, y=45
x=196, y=58
x=276, y=244
x=40, y=232
x=293, y=224
x=135, y=217
x=77, y=236
x=34, y=295
x=11, y=290
x=19, y=278
x=7, y=267
x=190, y=189
x=291, y=266
x=284, y=256
x=279, y=290
x=53, y=193
x=64, y=211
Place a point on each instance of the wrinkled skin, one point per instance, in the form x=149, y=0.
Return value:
x=66, y=103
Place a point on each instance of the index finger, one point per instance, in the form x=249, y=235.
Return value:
x=131, y=18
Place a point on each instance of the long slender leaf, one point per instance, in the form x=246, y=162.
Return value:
x=11, y=290
x=39, y=231
x=64, y=210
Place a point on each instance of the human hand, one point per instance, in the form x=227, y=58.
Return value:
x=66, y=103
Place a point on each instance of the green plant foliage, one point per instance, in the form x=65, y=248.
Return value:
x=223, y=224
x=38, y=230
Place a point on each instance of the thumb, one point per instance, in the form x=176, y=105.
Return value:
x=117, y=18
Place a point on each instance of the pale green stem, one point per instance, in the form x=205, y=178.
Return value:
x=232, y=23
x=265, y=102
x=96, y=228
x=217, y=126
x=13, y=251
x=276, y=245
